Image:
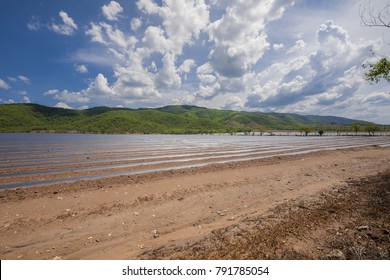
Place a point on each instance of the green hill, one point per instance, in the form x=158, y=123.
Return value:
x=168, y=119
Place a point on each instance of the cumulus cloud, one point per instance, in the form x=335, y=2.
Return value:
x=98, y=87
x=233, y=103
x=239, y=37
x=215, y=53
x=112, y=10
x=66, y=96
x=182, y=20
x=238, y=42
x=4, y=85
x=186, y=66
x=67, y=27
x=300, y=44
x=159, y=46
x=62, y=105
x=108, y=35
x=135, y=24
x=327, y=76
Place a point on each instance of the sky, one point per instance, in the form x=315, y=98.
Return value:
x=299, y=56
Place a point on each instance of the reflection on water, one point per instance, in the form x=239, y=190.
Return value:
x=25, y=158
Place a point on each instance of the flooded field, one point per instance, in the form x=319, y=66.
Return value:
x=37, y=159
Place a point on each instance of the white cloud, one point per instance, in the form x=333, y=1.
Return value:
x=168, y=75
x=96, y=33
x=62, y=105
x=299, y=45
x=183, y=20
x=24, y=79
x=328, y=76
x=278, y=46
x=26, y=99
x=108, y=35
x=84, y=107
x=112, y=10
x=233, y=103
x=222, y=54
x=34, y=24
x=51, y=92
x=66, y=96
x=135, y=24
x=4, y=85
x=239, y=36
x=81, y=68
x=67, y=27
x=99, y=87
x=187, y=65
x=20, y=78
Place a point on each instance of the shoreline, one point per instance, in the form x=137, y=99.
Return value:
x=266, y=133
x=126, y=217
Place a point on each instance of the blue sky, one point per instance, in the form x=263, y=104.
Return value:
x=255, y=55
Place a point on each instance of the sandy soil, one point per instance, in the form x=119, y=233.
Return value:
x=274, y=208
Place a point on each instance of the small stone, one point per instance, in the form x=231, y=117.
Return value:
x=57, y=258
x=141, y=246
x=336, y=254
x=136, y=214
x=302, y=205
x=155, y=233
x=60, y=198
x=360, y=228
x=220, y=213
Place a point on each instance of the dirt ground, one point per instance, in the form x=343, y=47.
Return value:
x=323, y=205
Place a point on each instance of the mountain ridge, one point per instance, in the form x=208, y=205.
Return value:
x=171, y=119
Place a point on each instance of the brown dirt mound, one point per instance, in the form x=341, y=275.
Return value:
x=349, y=222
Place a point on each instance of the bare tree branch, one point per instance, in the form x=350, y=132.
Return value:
x=369, y=17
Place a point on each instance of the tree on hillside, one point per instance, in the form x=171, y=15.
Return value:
x=356, y=126
x=305, y=129
x=371, y=18
x=371, y=128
